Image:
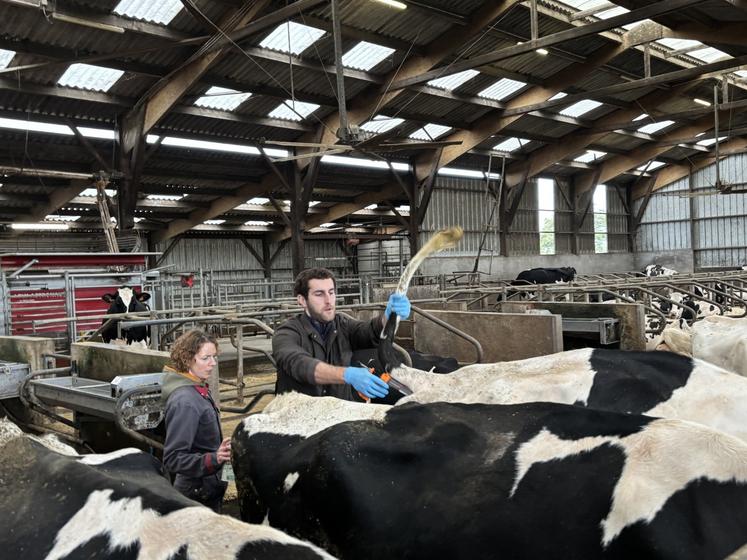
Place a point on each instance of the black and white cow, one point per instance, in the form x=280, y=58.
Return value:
x=545, y=276
x=658, y=270
x=118, y=505
x=123, y=301
x=524, y=481
x=660, y=384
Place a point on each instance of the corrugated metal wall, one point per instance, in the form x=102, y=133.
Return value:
x=617, y=221
x=63, y=242
x=462, y=202
x=719, y=222
x=228, y=255
x=465, y=202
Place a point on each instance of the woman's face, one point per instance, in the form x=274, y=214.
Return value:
x=204, y=361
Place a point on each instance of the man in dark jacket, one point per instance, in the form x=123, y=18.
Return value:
x=313, y=349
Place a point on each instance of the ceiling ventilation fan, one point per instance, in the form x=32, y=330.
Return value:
x=352, y=137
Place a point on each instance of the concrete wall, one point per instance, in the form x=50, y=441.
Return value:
x=509, y=267
x=503, y=336
x=26, y=349
x=681, y=261
x=631, y=316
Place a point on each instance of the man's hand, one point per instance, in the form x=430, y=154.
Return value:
x=399, y=304
x=224, y=451
x=365, y=382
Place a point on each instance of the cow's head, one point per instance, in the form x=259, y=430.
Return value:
x=569, y=273
x=125, y=295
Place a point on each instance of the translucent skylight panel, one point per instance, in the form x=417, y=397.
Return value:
x=430, y=132
x=6, y=57
x=291, y=37
x=677, y=44
x=161, y=12
x=214, y=222
x=710, y=141
x=87, y=76
x=501, y=89
x=257, y=223
x=60, y=218
x=258, y=200
x=165, y=196
x=580, y=108
x=328, y=225
x=371, y=207
x=299, y=111
x=656, y=164
x=582, y=5
x=640, y=117
x=559, y=95
x=741, y=73
x=510, y=144
x=709, y=54
x=381, y=123
x=35, y=126
x=590, y=156
x=93, y=192
x=612, y=12
x=655, y=127
x=365, y=55
x=453, y=81
x=222, y=98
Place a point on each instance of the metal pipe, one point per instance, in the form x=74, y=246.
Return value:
x=29, y=264
x=447, y=326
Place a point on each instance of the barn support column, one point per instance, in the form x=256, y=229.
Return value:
x=648, y=184
x=509, y=204
x=693, y=234
x=131, y=161
x=627, y=202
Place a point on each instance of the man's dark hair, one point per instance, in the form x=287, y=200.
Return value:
x=301, y=287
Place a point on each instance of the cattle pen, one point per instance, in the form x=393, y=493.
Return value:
x=371, y=279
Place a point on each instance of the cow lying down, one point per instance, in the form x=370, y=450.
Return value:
x=119, y=505
x=523, y=481
x=654, y=383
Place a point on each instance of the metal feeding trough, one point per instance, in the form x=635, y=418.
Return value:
x=132, y=401
x=12, y=376
x=607, y=329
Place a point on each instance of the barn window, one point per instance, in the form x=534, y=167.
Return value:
x=546, y=216
x=600, y=219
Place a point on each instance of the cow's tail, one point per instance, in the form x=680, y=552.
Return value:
x=444, y=239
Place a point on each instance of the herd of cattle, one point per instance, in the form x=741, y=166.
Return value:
x=588, y=453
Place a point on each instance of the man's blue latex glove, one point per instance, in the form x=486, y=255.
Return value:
x=365, y=382
x=399, y=304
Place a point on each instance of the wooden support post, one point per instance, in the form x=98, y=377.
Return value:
x=298, y=222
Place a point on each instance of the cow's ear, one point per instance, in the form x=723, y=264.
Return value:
x=143, y=297
x=108, y=298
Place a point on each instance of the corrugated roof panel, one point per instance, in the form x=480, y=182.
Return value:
x=510, y=145
x=293, y=110
x=222, y=98
x=291, y=37
x=580, y=108
x=502, y=89
x=655, y=127
x=6, y=57
x=365, y=55
x=453, y=81
x=430, y=132
x=381, y=123
x=87, y=76
x=589, y=156
x=162, y=11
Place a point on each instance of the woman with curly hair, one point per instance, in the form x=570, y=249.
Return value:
x=195, y=449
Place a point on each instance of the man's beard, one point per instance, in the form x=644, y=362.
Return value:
x=318, y=316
